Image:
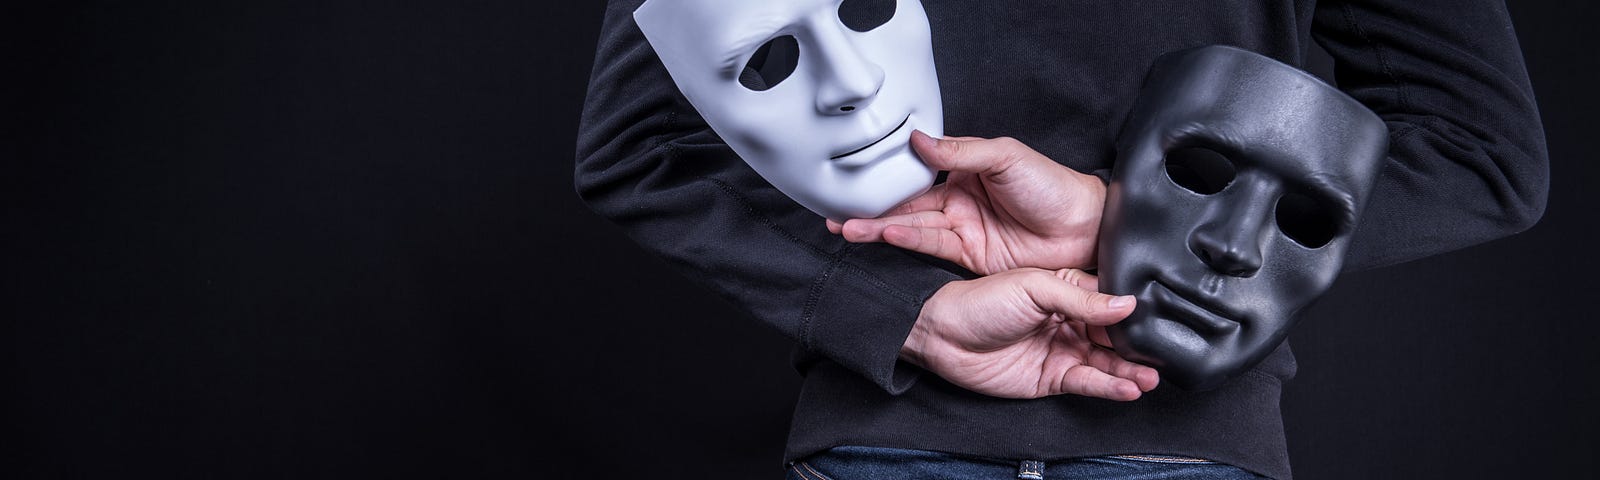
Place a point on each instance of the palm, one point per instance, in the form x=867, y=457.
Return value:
x=1040, y=365
x=1006, y=335
x=995, y=231
x=1004, y=206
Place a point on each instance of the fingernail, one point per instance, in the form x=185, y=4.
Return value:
x=1120, y=302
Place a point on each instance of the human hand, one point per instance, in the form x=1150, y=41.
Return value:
x=1027, y=333
x=1003, y=206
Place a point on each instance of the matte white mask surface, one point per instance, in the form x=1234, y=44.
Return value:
x=820, y=106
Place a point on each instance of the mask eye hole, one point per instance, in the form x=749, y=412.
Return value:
x=771, y=64
x=865, y=15
x=1199, y=170
x=1306, y=220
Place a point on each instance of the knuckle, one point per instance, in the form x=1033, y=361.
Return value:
x=1037, y=284
x=1093, y=303
x=1012, y=150
x=953, y=147
x=1075, y=277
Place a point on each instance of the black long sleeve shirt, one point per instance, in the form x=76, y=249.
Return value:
x=1467, y=163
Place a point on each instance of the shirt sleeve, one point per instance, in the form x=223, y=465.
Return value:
x=1467, y=159
x=650, y=164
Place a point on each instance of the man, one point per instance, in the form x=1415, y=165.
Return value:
x=949, y=368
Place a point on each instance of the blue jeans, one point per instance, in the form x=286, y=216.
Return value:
x=860, y=463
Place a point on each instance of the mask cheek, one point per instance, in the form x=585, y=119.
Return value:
x=1306, y=273
x=751, y=123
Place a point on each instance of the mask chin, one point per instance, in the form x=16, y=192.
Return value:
x=1238, y=184
x=867, y=191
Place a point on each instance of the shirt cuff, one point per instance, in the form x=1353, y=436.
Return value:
x=860, y=318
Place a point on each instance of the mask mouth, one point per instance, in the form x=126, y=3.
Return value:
x=1192, y=309
x=843, y=158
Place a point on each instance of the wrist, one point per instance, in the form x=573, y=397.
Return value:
x=916, y=342
x=922, y=335
x=1091, y=204
x=1079, y=224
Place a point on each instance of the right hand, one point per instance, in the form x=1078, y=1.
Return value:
x=1026, y=333
x=1004, y=206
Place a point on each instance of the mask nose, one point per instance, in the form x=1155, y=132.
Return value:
x=847, y=80
x=1232, y=245
x=1227, y=251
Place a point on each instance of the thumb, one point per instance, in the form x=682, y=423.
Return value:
x=1053, y=294
x=974, y=155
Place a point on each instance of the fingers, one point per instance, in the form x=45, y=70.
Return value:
x=929, y=201
x=1101, y=373
x=1099, y=336
x=1080, y=278
x=928, y=233
x=871, y=230
x=1092, y=382
x=1052, y=295
x=990, y=156
x=938, y=242
x=1142, y=376
x=1096, y=334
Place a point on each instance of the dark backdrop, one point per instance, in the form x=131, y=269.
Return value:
x=340, y=240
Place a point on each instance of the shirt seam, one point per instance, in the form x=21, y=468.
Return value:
x=1383, y=59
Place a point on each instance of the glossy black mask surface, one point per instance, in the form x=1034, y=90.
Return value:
x=1238, y=184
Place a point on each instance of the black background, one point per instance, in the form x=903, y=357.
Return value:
x=340, y=240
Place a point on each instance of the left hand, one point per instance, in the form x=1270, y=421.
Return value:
x=1027, y=333
x=1003, y=206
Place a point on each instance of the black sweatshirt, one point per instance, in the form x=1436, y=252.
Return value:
x=1467, y=164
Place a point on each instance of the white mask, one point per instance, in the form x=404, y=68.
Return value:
x=833, y=133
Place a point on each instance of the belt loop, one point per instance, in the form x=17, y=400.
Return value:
x=1030, y=470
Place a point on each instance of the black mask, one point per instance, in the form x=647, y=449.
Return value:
x=1238, y=184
